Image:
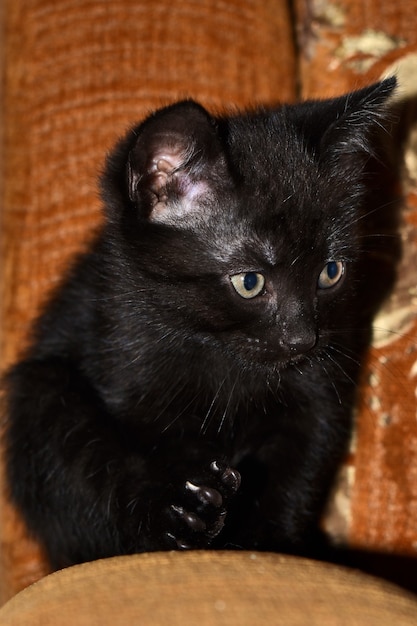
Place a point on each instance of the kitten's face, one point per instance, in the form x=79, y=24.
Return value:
x=245, y=228
x=259, y=279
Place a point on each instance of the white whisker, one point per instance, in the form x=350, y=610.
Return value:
x=207, y=417
x=335, y=362
x=225, y=412
x=339, y=399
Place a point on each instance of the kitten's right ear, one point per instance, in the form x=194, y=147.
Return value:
x=341, y=129
x=176, y=159
x=356, y=115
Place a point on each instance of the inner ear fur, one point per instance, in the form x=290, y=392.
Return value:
x=175, y=150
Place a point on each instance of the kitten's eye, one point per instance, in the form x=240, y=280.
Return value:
x=331, y=274
x=248, y=284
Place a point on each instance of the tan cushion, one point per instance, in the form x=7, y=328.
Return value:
x=203, y=589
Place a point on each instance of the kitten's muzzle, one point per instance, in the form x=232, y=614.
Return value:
x=297, y=336
x=298, y=344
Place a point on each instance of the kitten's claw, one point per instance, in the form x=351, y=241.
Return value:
x=229, y=477
x=217, y=527
x=179, y=543
x=192, y=520
x=206, y=495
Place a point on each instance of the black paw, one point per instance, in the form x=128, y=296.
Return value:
x=200, y=512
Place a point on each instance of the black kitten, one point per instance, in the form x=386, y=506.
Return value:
x=192, y=382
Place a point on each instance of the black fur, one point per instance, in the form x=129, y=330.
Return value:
x=157, y=408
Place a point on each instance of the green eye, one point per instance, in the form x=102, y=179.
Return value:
x=331, y=274
x=248, y=284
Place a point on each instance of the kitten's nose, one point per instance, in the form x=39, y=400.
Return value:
x=298, y=342
x=297, y=327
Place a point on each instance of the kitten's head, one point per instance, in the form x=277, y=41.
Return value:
x=243, y=232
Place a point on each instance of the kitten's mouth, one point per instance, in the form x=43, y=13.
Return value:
x=253, y=351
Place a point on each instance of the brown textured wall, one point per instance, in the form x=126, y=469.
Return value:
x=342, y=41
x=343, y=45
x=384, y=497
x=76, y=74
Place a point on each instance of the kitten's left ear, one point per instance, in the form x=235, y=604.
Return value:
x=176, y=160
x=352, y=117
